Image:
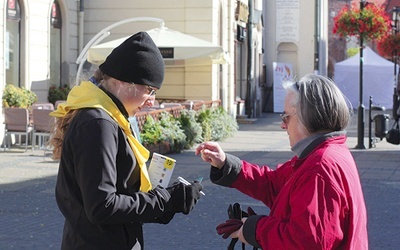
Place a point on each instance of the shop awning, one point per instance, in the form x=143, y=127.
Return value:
x=178, y=49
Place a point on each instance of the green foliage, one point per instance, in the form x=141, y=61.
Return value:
x=352, y=52
x=152, y=131
x=217, y=124
x=204, y=119
x=208, y=124
x=167, y=129
x=191, y=128
x=58, y=93
x=14, y=96
x=173, y=132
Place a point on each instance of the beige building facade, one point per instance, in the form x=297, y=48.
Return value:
x=296, y=33
x=208, y=20
x=42, y=39
x=81, y=20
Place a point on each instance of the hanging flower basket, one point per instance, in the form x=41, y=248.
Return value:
x=390, y=46
x=370, y=23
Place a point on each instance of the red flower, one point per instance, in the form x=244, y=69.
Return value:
x=372, y=23
x=390, y=45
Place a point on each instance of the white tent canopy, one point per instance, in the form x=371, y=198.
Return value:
x=177, y=48
x=378, y=79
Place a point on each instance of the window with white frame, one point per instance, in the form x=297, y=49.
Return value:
x=13, y=43
x=55, y=45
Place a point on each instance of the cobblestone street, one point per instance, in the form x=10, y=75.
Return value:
x=30, y=219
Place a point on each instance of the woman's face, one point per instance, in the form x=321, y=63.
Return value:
x=290, y=121
x=136, y=96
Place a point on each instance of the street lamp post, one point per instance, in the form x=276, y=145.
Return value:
x=395, y=28
x=361, y=108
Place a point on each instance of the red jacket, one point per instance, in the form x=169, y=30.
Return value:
x=316, y=202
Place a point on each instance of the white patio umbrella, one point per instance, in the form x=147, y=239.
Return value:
x=177, y=49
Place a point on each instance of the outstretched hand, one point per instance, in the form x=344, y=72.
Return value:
x=212, y=153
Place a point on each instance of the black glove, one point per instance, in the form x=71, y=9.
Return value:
x=184, y=197
x=250, y=212
x=166, y=217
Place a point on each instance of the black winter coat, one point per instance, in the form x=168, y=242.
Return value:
x=98, y=184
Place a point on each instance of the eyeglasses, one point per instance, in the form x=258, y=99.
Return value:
x=285, y=117
x=296, y=84
x=151, y=91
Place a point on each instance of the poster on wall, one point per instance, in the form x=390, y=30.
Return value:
x=282, y=72
x=287, y=20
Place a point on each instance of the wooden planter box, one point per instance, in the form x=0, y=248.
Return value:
x=161, y=148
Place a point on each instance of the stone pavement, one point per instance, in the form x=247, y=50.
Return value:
x=30, y=219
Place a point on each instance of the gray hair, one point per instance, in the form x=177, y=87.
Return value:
x=319, y=103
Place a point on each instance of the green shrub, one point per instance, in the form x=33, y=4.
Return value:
x=191, y=127
x=352, y=52
x=173, y=132
x=58, y=93
x=166, y=129
x=152, y=131
x=204, y=119
x=14, y=96
x=217, y=124
x=208, y=124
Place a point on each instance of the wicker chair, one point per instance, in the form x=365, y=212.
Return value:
x=16, y=122
x=42, y=124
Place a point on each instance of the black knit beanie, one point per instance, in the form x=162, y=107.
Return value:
x=136, y=60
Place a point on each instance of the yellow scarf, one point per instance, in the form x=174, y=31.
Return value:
x=87, y=95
